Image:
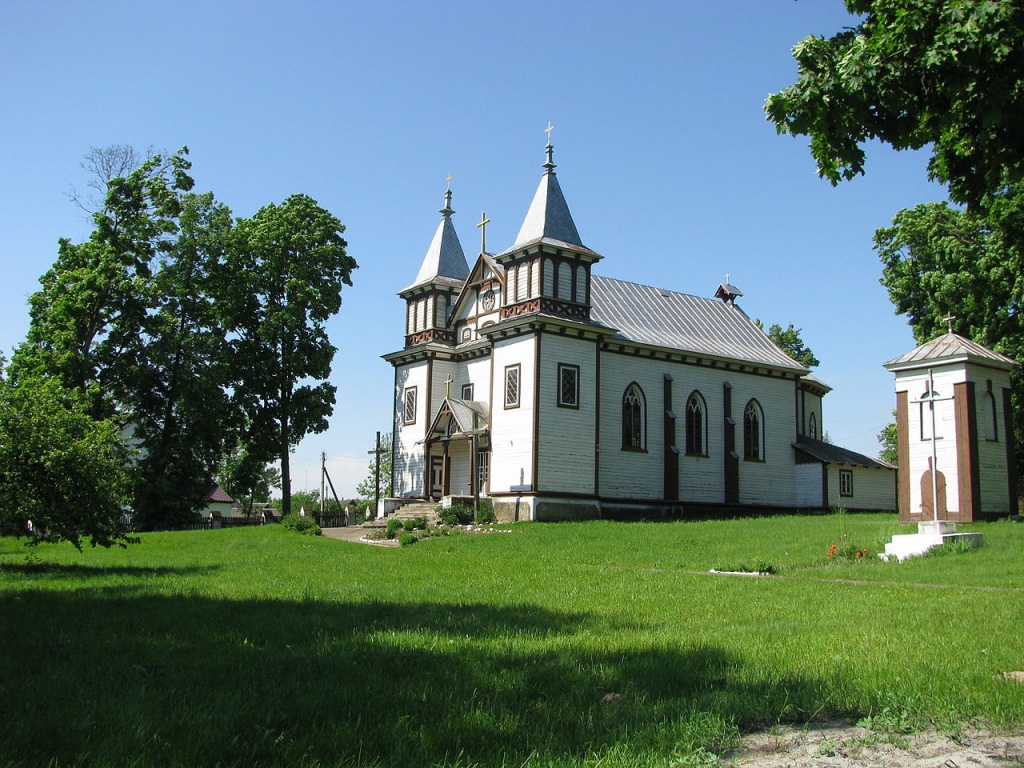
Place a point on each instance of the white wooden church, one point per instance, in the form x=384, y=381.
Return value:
x=562, y=394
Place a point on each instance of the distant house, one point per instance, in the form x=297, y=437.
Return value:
x=219, y=504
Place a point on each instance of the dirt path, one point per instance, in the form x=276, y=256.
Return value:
x=841, y=745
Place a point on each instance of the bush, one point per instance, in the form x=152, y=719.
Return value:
x=457, y=514
x=485, y=515
x=301, y=524
x=393, y=526
x=415, y=523
x=407, y=539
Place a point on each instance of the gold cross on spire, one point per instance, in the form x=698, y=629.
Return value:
x=949, y=321
x=449, y=180
x=548, y=131
x=484, y=221
x=448, y=386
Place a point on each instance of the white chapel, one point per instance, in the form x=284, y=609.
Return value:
x=558, y=393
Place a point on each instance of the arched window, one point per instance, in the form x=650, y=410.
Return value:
x=633, y=419
x=812, y=427
x=988, y=409
x=696, y=426
x=753, y=432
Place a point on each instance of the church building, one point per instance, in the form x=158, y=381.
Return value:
x=558, y=393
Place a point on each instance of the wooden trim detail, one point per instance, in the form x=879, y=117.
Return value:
x=968, y=471
x=1011, y=454
x=903, y=457
x=670, y=449
x=730, y=457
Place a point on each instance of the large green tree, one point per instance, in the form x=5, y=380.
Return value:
x=944, y=74
x=288, y=264
x=126, y=318
x=60, y=467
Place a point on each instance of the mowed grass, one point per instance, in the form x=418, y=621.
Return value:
x=575, y=644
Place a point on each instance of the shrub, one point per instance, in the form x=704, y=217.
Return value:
x=485, y=514
x=301, y=524
x=415, y=523
x=393, y=526
x=407, y=539
x=457, y=514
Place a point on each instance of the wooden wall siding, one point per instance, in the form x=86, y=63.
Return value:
x=914, y=384
x=459, y=467
x=548, y=279
x=903, y=457
x=873, y=489
x=567, y=437
x=995, y=462
x=769, y=482
x=966, y=432
x=408, y=469
x=512, y=429
x=631, y=474
x=564, y=281
x=808, y=485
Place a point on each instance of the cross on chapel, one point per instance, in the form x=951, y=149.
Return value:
x=484, y=221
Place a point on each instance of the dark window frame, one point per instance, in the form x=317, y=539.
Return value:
x=409, y=398
x=513, y=371
x=634, y=419
x=572, y=371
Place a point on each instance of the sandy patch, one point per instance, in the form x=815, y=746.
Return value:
x=841, y=745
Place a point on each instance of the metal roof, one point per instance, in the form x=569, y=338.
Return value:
x=692, y=324
x=833, y=454
x=548, y=216
x=950, y=347
x=444, y=258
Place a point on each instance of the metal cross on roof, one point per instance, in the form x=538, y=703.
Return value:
x=448, y=386
x=728, y=275
x=449, y=180
x=949, y=321
x=548, y=131
x=484, y=221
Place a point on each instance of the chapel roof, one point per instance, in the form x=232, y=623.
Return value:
x=950, y=348
x=445, y=260
x=654, y=316
x=548, y=217
x=833, y=454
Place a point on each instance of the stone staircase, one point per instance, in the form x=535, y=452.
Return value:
x=427, y=509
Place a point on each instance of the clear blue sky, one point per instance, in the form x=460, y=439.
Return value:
x=665, y=158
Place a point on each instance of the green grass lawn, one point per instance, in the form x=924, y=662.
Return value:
x=575, y=644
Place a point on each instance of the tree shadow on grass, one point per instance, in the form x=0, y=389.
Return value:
x=98, y=677
x=76, y=571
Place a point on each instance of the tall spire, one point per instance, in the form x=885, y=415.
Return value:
x=444, y=257
x=549, y=215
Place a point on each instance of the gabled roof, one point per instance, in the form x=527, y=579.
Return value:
x=219, y=495
x=833, y=454
x=470, y=416
x=548, y=217
x=950, y=348
x=445, y=260
x=692, y=324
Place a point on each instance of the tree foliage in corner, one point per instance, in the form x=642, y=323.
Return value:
x=790, y=342
x=915, y=73
x=60, y=468
x=949, y=76
x=287, y=265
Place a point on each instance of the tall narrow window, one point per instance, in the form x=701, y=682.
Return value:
x=512, y=386
x=753, y=432
x=696, y=426
x=568, y=386
x=846, y=482
x=988, y=413
x=483, y=467
x=812, y=427
x=409, y=405
x=467, y=391
x=633, y=419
